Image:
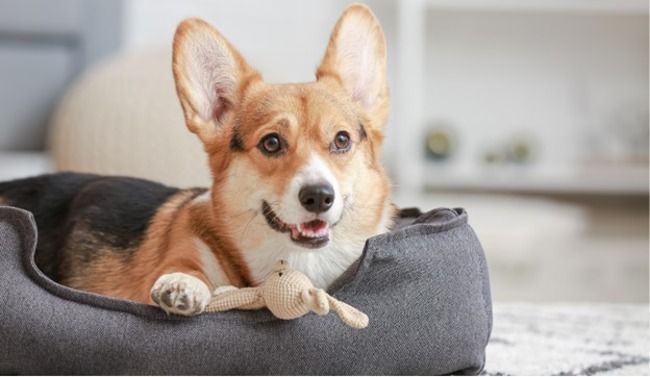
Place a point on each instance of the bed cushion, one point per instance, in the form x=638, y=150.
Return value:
x=424, y=286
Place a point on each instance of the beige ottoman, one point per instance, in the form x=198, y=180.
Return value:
x=123, y=118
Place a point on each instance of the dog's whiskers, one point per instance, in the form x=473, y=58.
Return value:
x=243, y=234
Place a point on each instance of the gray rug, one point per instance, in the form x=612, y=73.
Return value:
x=569, y=339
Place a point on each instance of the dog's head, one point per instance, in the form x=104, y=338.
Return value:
x=296, y=166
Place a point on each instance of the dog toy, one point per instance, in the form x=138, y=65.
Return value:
x=288, y=294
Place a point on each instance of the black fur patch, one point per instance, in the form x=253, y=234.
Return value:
x=236, y=142
x=119, y=209
x=48, y=197
x=363, y=135
x=116, y=210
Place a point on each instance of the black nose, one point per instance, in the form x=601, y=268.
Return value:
x=317, y=198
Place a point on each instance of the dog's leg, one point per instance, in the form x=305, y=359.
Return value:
x=181, y=293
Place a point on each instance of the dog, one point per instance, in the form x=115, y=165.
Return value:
x=296, y=176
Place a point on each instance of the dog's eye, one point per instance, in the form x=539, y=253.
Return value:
x=341, y=142
x=271, y=144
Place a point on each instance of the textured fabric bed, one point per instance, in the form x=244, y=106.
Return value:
x=424, y=286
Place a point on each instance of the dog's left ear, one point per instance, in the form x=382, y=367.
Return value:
x=211, y=77
x=356, y=58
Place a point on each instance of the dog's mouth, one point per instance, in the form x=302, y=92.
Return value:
x=312, y=234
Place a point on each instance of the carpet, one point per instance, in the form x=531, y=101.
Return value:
x=569, y=339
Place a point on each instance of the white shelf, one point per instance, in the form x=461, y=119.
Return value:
x=604, y=6
x=604, y=181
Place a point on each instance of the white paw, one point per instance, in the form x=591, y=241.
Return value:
x=180, y=293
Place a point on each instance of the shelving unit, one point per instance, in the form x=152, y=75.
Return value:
x=609, y=6
x=628, y=181
x=414, y=173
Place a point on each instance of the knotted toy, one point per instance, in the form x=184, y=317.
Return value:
x=288, y=294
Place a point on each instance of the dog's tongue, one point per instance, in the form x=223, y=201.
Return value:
x=312, y=229
x=315, y=226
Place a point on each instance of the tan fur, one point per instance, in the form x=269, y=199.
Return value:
x=164, y=249
x=307, y=115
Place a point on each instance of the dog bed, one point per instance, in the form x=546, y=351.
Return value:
x=424, y=286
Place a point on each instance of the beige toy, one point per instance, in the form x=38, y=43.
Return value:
x=288, y=294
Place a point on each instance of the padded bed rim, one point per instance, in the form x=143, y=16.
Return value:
x=26, y=221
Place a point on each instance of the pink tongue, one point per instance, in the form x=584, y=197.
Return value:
x=314, y=226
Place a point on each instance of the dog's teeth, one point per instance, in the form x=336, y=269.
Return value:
x=309, y=230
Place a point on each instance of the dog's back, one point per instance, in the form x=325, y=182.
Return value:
x=115, y=210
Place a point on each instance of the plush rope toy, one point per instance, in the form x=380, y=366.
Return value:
x=288, y=294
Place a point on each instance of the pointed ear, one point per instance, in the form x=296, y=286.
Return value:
x=211, y=77
x=356, y=58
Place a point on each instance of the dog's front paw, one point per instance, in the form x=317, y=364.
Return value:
x=180, y=293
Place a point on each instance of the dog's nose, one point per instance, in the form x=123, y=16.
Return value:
x=317, y=198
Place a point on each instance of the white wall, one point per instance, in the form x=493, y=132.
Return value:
x=285, y=40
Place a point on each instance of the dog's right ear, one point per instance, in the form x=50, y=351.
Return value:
x=211, y=77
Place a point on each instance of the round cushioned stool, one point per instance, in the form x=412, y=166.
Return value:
x=122, y=117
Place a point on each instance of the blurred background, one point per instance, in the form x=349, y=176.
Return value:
x=533, y=115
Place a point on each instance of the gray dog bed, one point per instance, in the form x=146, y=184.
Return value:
x=424, y=286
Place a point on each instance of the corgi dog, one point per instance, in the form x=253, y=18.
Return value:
x=296, y=176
